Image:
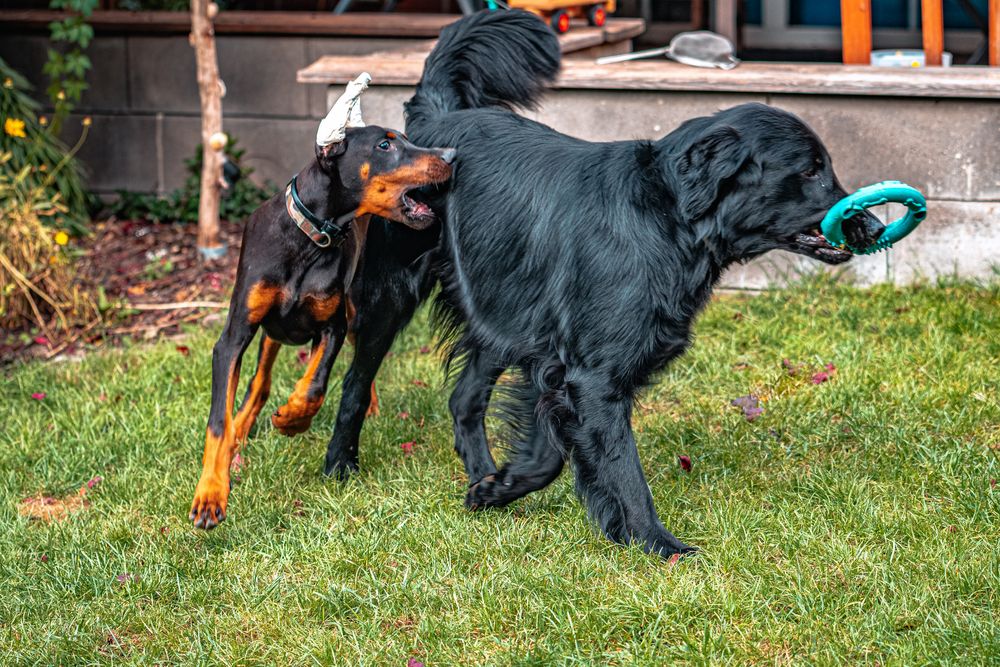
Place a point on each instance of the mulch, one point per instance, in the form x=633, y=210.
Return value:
x=153, y=276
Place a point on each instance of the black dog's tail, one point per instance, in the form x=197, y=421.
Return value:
x=490, y=59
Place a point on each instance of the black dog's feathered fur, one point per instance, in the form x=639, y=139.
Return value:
x=584, y=264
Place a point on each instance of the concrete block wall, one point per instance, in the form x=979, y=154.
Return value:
x=143, y=99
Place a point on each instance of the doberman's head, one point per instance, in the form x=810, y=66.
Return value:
x=387, y=173
x=377, y=168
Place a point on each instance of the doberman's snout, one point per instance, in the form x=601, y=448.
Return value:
x=448, y=155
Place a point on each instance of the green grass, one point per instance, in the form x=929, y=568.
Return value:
x=853, y=523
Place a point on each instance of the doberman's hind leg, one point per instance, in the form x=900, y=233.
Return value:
x=211, y=496
x=258, y=390
x=296, y=415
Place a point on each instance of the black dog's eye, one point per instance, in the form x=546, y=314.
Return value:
x=813, y=171
x=383, y=145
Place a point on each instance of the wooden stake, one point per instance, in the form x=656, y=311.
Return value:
x=932, y=19
x=856, y=31
x=210, y=91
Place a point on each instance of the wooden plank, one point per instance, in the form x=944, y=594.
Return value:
x=994, y=36
x=932, y=22
x=359, y=24
x=616, y=30
x=856, y=31
x=819, y=78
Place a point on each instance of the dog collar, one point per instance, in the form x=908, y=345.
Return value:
x=324, y=233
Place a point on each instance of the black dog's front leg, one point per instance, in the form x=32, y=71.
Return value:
x=468, y=404
x=379, y=322
x=609, y=474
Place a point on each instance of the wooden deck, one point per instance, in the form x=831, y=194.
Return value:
x=404, y=69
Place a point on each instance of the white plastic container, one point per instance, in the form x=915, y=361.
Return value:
x=905, y=58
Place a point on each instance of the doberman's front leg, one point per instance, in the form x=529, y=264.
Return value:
x=258, y=390
x=296, y=415
x=212, y=493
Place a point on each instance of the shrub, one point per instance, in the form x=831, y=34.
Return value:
x=36, y=273
x=32, y=146
x=181, y=205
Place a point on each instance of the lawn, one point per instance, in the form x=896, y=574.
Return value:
x=854, y=521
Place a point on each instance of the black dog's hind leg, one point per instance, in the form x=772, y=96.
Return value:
x=609, y=474
x=380, y=324
x=468, y=403
x=533, y=465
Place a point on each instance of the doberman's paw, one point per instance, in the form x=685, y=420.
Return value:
x=209, y=507
x=290, y=423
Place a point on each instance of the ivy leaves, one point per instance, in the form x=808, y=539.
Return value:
x=67, y=67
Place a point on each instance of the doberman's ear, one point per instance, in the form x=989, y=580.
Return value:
x=327, y=154
x=706, y=165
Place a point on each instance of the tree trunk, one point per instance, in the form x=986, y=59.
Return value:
x=203, y=41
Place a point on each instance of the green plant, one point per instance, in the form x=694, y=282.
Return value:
x=33, y=145
x=67, y=70
x=181, y=205
x=37, y=283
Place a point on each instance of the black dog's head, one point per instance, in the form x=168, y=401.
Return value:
x=760, y=180
x=386, y=173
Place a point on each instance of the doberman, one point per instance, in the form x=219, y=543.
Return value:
x=295, y=284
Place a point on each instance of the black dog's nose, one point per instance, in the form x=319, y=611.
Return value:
x=448, y=155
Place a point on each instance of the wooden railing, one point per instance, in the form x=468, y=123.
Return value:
x=856, y=25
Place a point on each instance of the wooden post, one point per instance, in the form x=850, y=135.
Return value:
x=856, y=31
x=724, y=20
x=932, y=20
x=994, y=36
x=210, y=91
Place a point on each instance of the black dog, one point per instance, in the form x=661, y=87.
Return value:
x=584, y=264
x=294, y=285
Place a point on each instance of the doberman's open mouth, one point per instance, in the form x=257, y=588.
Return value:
x=415, y=206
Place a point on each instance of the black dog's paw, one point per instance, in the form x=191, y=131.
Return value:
x=487, y=492
x=340, y=468
x=670, y=548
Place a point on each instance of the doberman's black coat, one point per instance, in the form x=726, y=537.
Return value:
x=298, y=292
x=582, y=265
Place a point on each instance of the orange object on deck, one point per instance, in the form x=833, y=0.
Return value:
x=856, y=31
x=932, y=20
x=559, y=12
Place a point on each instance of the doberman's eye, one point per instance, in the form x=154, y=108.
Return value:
x=384, y=145
x=813, y=171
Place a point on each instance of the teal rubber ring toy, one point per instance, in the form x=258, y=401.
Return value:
x=875, y=195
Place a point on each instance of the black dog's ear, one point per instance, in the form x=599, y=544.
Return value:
x=704, y=167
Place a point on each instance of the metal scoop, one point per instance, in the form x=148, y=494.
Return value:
x=700, y=48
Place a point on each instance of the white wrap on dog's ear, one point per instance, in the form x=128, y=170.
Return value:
x=344, y=114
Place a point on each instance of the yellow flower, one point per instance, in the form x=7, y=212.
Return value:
x=43, y=120
x=61, y=95
x=14, y=127
x=62, y=238
x=87, y=120
x=8, y=82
